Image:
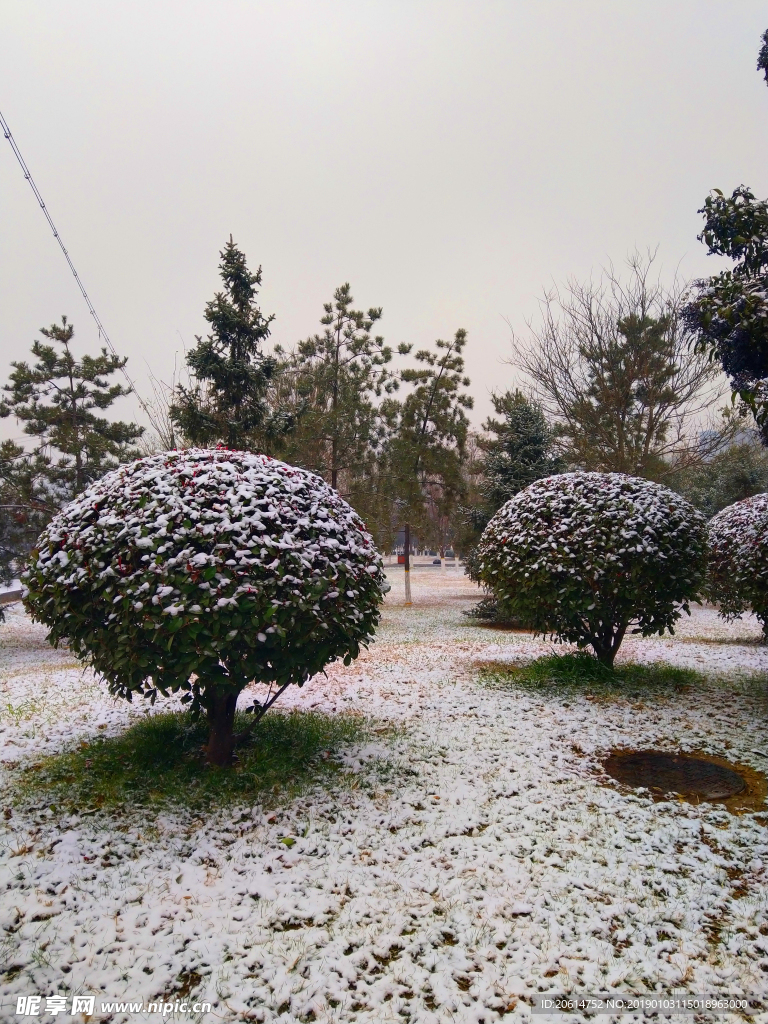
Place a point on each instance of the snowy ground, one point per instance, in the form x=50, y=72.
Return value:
x=494, y=864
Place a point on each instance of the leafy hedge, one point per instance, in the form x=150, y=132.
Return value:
x=584, y=556
x=737, y=576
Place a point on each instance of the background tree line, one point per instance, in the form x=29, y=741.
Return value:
x=613, y=376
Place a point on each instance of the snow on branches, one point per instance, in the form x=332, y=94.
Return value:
x=584, y=556
x=204, y=569
x=737, y=576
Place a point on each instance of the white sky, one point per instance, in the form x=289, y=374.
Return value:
x=449, y=159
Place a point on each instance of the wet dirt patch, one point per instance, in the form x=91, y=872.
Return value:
x=696, y=777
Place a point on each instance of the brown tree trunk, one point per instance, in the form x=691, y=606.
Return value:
x=221, y=721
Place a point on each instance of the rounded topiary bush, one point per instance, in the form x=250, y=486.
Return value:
x=737, y=575
x=584, y=556
x=203, y=571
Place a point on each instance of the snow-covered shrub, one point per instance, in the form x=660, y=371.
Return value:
x=584, y=556
x=737, y=574
x=203, y=571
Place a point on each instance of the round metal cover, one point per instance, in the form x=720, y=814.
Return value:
x=674, y=773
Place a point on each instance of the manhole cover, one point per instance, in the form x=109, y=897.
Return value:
x=674, y=773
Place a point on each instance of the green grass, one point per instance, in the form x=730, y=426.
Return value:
x=159, y=761
x=581, y=672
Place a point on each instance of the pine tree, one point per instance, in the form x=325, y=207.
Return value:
x=25, y=508
x=429, y=435
x=229, y=400
x=57, y=399
x=332, y=382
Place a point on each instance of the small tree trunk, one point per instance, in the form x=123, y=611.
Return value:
x=605, y=653
x=221, y=722
x=407, y=565
x=606, y=648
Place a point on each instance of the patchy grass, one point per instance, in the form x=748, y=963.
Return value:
x=159, y=761
x=581, y=672
x=16, y=713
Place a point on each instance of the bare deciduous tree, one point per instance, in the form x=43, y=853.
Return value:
x=614, y=366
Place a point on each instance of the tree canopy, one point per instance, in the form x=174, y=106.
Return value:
x=737, y=472
x=228, y=401
x=582, y=556
x=203, y=571
x=57, y=398
x=613, y=365
x=519, y=447
x=331, y=382
x=728, y=313
x=428, y=438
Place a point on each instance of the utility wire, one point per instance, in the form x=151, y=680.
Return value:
x=100, y=326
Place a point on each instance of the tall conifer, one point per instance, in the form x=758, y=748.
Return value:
x=228, y=400
x=57, y=398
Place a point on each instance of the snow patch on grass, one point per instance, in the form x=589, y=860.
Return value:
x=485, y=862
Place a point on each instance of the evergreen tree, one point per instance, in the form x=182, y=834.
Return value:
x=229, y=400
x=57, y=399
x=738, y=472
x=519, y=451
x=762, y=57
x=729, y=312
x=371, y=495
x=26, y=505
x=428, y=440
x=23, y=513
x=332, y=381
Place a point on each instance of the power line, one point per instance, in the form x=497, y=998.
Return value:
x=99, y=325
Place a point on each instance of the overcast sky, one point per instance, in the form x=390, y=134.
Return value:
x=448, y=159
